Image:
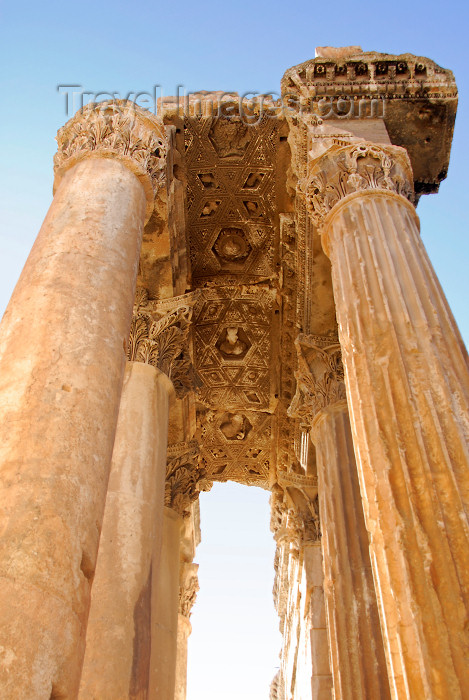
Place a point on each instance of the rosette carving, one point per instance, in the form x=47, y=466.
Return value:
x=162, y=340
x=342, y=171
x=116, y=128
x=319, y=378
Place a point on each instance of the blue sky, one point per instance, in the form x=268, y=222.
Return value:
x=242, y=46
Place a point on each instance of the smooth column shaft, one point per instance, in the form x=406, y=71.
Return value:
x=357, y=652
x=165, y=606
x=61, y=367
x=118, y=638
x=408, y=389
x=184, y=630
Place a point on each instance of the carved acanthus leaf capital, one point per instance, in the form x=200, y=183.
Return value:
x=294, y=518
x=183, y=474
x=362, y=167
x=319, y=378
x=159, y=336
x=188, y=588
x=115, y=129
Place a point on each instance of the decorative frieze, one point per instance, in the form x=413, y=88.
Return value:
x=114, y=129
x=368, y=74
x=183, y=475
x=160, y=337
x=346, y=170
x=319, y=378
x=231, y=199
x=413, y=98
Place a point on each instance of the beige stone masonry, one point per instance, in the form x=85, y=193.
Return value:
x=357, y=651
x=406, y=373
x=62, y=361
x=356, y=648
x=165, y=605
x=184, y=631
x=118, y=639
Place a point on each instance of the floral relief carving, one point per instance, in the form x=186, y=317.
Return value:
x=118, y=128
x=319, y=378
x=183, y=474
x=161, y=339
x=188, y=589
x=294, y=518
x=355, y=168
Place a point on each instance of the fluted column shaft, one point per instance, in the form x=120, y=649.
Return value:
x=408, y=390
x=118, y=638
x=61, y=368
x=357, y=653
x=321, y=678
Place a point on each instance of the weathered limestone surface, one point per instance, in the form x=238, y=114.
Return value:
x=165, y=604
x=61, y=368
x=355, y=640
x=183, y=633
x=188, y=588
x=117, y=655
x=321, y=679
x=357, y=652
x=62, y=362
x=237, y=226
x=408, y=389
x=299, y=600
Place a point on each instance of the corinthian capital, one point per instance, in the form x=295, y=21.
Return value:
x=183, y=475
x=319, y=378
x=159, y=336
x=356, y=168
x=115, y=129
x=188, y=588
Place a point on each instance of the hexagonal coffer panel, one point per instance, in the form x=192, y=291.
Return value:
x=235, y=426
x=233, y=343
x=232, y=246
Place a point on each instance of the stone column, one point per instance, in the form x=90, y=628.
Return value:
x=407, y=380
x=182, y=475
x=184, y=631
x=188, y=587
x=118, y=638
x=61, y=369
x=165, y=603
x=299, y=596
x=356, y=646
x=321, y=678
x=117, y=655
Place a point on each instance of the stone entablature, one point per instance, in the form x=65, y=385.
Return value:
x=414, y=97
x=398, y=77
